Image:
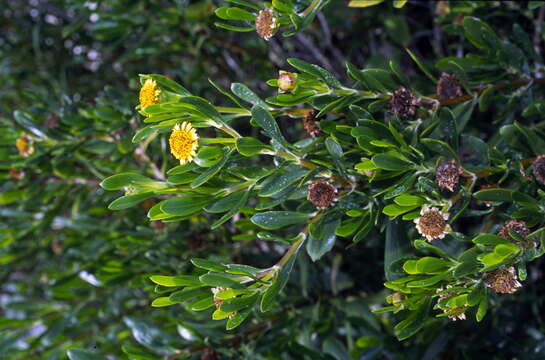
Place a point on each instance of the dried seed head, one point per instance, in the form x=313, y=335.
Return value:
x=158, y=226
x=16, y=174
x=448, y=87
x=322, y=194
x=210, y=354
x=52, y=121
x=309, y=123
x=447, y=174
x=266, y=24
x=404, y=103
x=503, y=280
x=286, y=81
x=445, y=295
x=432, y=223
x=538, y=168
x=517, y=226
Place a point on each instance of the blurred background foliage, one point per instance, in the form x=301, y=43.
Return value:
x=75, y=275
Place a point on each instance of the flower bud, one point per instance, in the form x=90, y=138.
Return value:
x=286, y=81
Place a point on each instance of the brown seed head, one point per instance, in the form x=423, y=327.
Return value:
x=266, y=24
x=538, y=168
x=322, y=194
x=404, y=103
x=432, y=223
x=210, y=354
x=503, y=280
x=52, y=121
x=16, y=174
x=447, y=175
x=448, y=87
x=309, y=123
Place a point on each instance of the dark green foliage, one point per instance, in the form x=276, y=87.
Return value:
x=110, y=248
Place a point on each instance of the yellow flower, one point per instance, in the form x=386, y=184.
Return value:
x=24, y=145
x=183, y=142
x=149, y=94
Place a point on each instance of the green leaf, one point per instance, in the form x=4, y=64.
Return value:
x=322, y=235
x=127, y=201
x=395, y=209
x=271, y=220
x=364, y=3
x=490, y=240
x=162, y=302
x=169, y=84
x=399, y=3
x=494, y=195
x=234, y=13
x=249, y=146
x=421, y=66
x=180, y=280
x=278, y=182
x=334, y=149
x=483, y=307
x=244, y=92
x=396, y=248
x=119, y=181
x=409, y=200
x=211, y=171
x=235, y=209
x=439, y=147
x=237, y=319
x=391, y=163
x=217, y=280
x=82, y=354
x=480, y=34
x=208, y=265
x=414, y=322
x=185, y=205
x=316, y=71
x=267, y=122
x=239, y=303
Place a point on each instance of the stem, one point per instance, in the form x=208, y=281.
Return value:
x=206, y=141
x=315, y=4
x=233, y=110
x=291, y=251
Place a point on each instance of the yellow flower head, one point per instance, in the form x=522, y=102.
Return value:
x=24, y=145
x=183, y=142
x=149, y=94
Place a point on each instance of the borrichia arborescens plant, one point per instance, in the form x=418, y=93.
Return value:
x=376, y=156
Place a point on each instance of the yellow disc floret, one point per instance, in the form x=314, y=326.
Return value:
x=183, y=142
x=149, y=94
